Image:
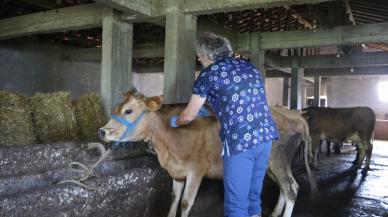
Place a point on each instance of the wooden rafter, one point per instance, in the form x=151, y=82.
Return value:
x=47, y=4
x=64, y=19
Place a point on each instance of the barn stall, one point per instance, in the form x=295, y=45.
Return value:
x=320, y=53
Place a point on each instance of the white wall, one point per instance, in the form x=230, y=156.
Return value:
x=29, y=66
x=149, y=84
x=349, y=91
x=274, y=90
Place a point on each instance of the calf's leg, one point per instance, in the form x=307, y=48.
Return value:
x=279, y=205
x=291, y=194
x=288, y=191
x=177, y=188
x=193, y=182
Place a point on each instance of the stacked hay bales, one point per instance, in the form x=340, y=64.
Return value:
x=16, y=126
x=54, y=117
x=90, y=116
x=49, y=117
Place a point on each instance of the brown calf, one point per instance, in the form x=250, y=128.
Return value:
x=192, y=152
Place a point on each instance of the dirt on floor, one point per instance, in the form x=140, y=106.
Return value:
x=344, y=191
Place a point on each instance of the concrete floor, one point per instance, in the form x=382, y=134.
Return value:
x=344, y=191
x=28, y=177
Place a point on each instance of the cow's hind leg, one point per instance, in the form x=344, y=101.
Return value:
x=361, y=154
x=291, y=194
x=328, y=145
x=357, y=154
x=177, y=187
x=368, y=157
x=288, y=190
x=193, y=182
x=368, y=152
x=281, y=200
x=314, y=150
x=279, y=205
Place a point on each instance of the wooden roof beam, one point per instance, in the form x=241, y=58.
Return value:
x=42, y=3
x=64, y=19
x=335, y=61
x=346, y=71
x=133, y=7
x=199, y=7
x=366, y=33
x=300, y=18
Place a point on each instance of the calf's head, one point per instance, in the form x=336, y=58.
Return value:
x=131, y=119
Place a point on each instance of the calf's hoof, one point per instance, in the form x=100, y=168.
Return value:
x=365, y=171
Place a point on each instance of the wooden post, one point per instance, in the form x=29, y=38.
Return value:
x=296, y=84
x=116, y=65
x=317, y=90
x=303, y=95
x=257, y=54
x=285, y=91
x=179, y=62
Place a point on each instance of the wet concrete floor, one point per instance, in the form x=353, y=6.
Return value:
x=344, y=191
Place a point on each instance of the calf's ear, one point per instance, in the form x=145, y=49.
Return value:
x=154, y=103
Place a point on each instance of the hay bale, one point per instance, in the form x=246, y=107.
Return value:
x=90, y=116
x=53, y=117
x=16, y=126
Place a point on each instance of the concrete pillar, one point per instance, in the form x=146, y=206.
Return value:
x=180, y=56
x=116, y=64
x=317, y=91
x=303, y=95
x=297, y=75
x=257, y=54
x=286, y=82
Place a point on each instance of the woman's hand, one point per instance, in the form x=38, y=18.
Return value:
x=204, y=112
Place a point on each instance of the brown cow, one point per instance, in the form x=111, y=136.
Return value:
x=191, y=152
x=340, y=124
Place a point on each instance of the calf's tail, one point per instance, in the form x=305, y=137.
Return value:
x=313, y=181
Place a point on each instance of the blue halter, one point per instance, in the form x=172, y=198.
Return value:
x=130, y=126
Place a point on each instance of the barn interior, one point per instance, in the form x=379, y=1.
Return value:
x=312, y=53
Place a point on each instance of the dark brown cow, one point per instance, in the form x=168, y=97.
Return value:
x=192, y=152
x=340, y=124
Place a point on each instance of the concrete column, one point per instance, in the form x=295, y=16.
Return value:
x=286, y=82
x=257, y=54
x=179, y=62
x=317, y=91
x=116, y=65
x=303, y=95
x=297, y=75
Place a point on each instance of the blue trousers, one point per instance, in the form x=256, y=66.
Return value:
x=243, y=181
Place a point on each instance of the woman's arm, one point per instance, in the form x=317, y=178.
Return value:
x=189, y=113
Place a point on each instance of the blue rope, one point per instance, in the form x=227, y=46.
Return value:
x=130, y=126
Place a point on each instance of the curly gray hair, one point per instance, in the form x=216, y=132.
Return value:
x=213, y=46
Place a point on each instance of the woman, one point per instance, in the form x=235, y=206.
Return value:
x=235, y=90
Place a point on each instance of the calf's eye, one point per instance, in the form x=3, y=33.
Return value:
x=128, y=111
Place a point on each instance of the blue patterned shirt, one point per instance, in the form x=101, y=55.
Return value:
x=236, y=92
